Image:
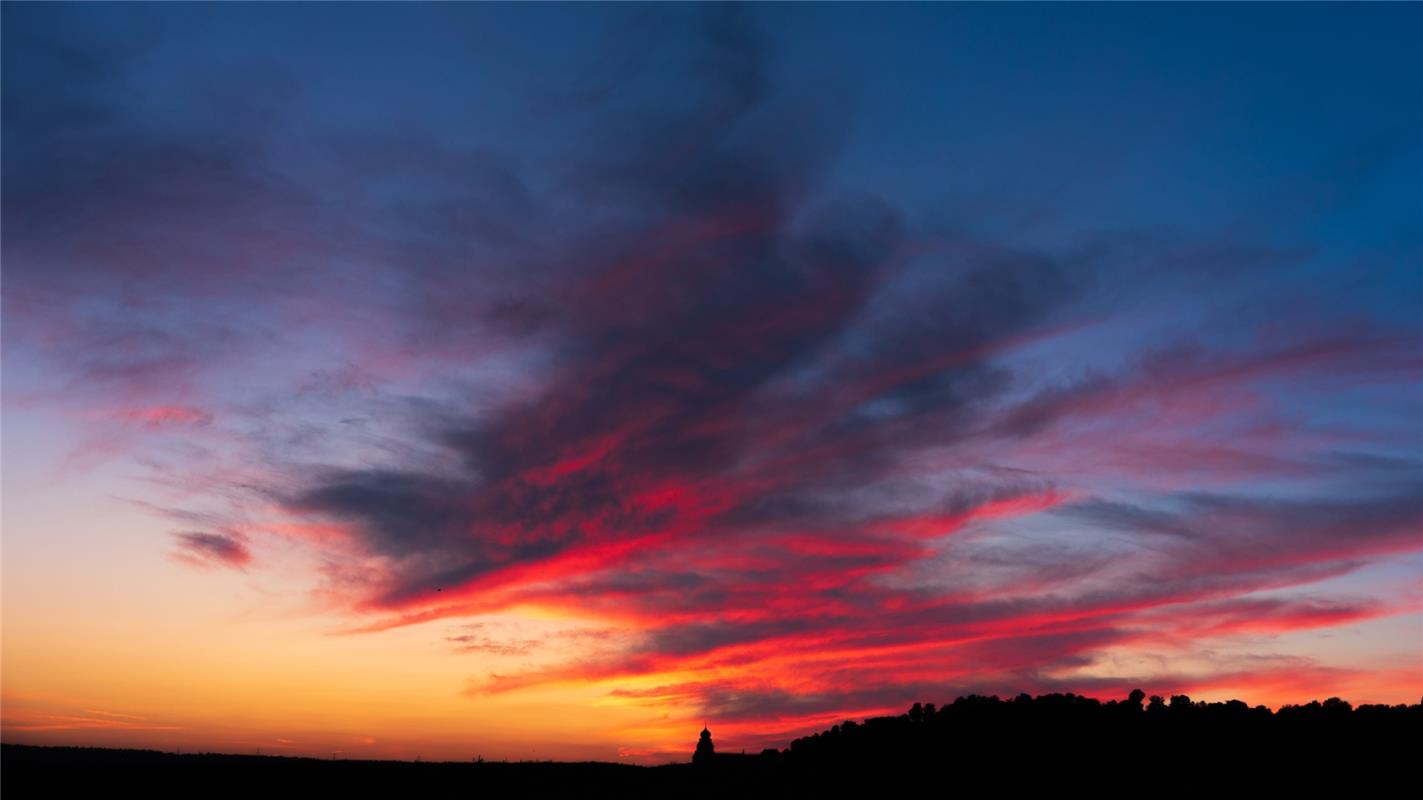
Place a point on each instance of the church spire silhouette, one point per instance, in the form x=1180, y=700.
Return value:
x=705, y=752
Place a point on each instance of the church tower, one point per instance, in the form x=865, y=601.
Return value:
x=705, y=753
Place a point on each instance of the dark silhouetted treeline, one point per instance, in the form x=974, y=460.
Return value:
x=974, y=746
x=1192, y=745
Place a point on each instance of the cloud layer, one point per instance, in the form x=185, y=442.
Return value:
x=809, y=451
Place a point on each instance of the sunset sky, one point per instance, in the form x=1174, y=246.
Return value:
x=541, y=381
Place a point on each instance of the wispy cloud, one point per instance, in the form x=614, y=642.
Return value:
x=804, y=450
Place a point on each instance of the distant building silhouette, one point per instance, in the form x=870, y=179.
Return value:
x=705, y=753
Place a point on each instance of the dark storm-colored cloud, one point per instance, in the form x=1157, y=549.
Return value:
x=715, y=283
x=213, y=549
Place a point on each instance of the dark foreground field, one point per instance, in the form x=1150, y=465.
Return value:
x=973, y=747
